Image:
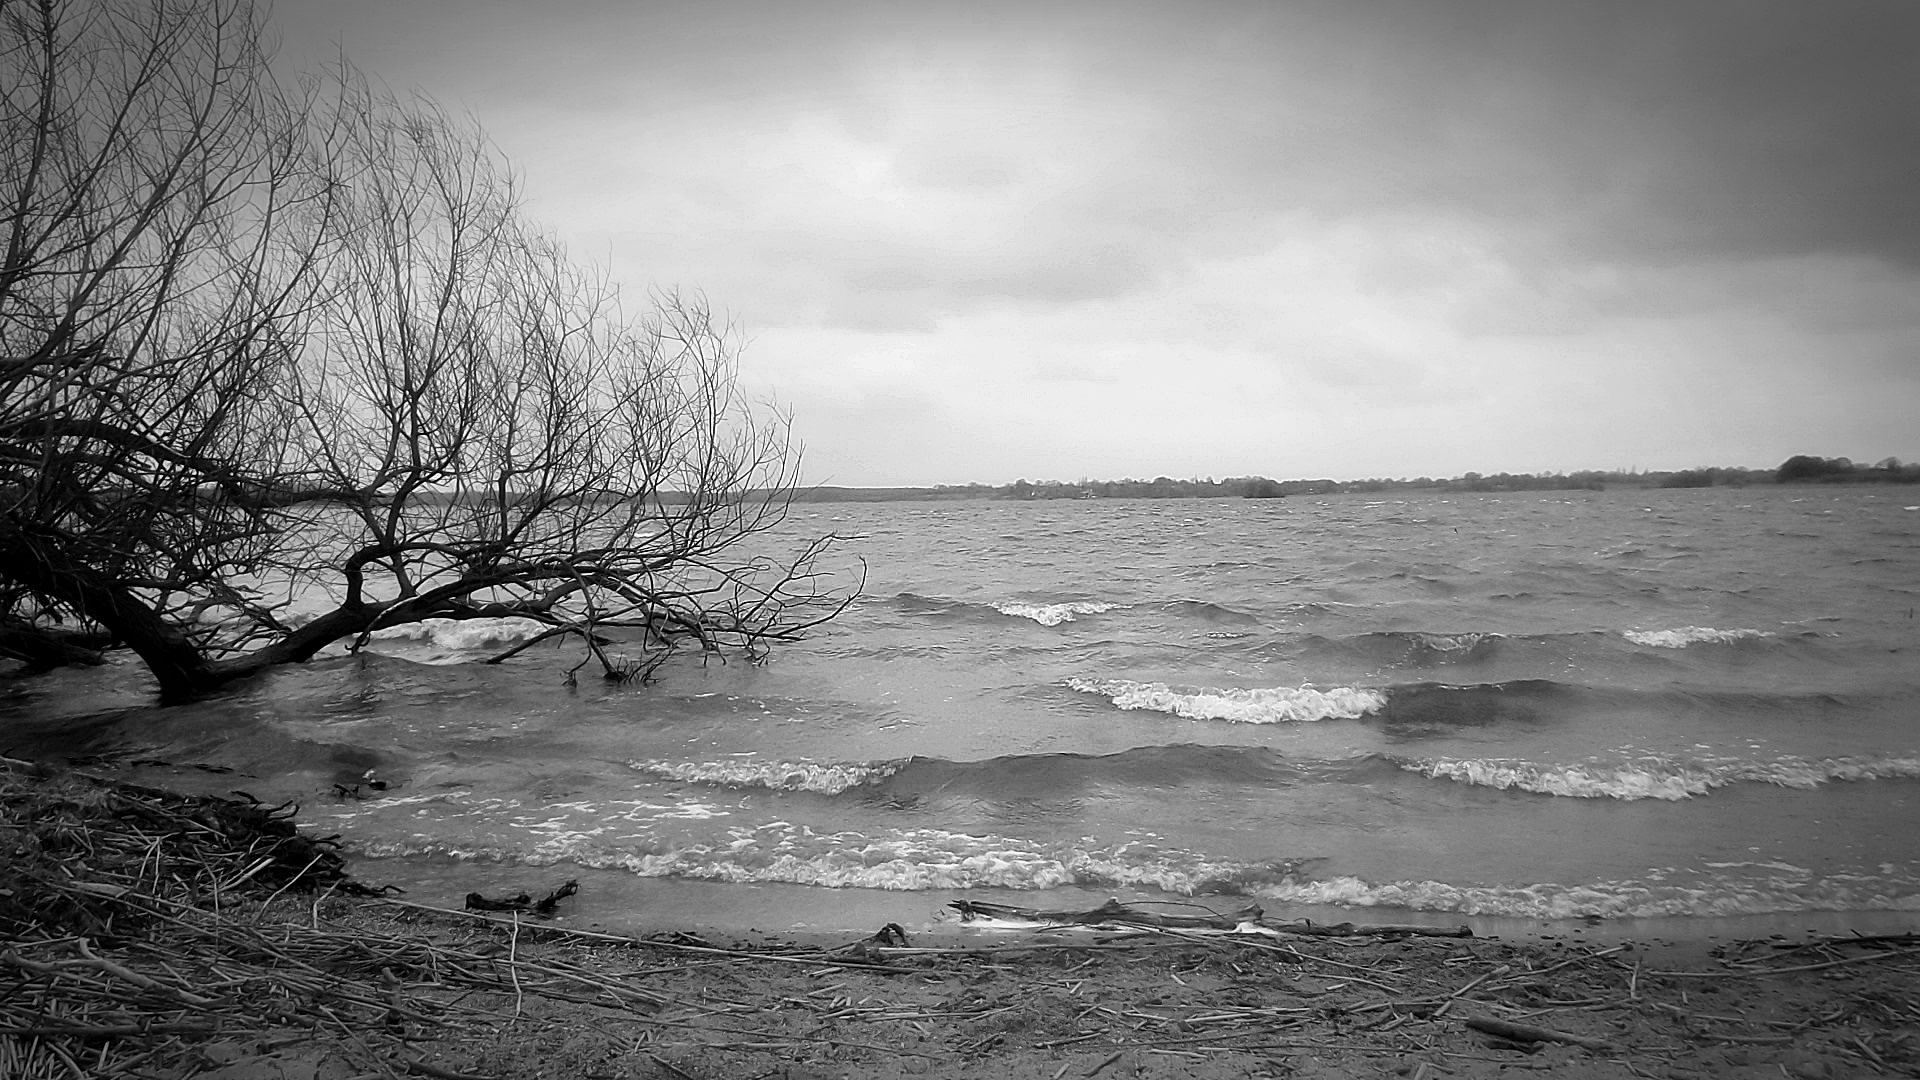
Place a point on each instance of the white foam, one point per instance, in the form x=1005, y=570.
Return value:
x=1587, y=781
x=549, y=830
x=919, y=859
x=1683, y=636
x=1454, y=642
x=785, y=853
x=933, y=859
x=1258, y=705
x=817, y=777
x=1659, y=778
x=1715, y=896
x=1054, y=614
x=464, y=635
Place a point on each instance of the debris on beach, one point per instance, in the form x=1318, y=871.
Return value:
x=523, y=902
x=145, y=934
x=1248, y=920
x=478, y=902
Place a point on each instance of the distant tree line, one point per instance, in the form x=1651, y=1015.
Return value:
x=1261, y=487
x=1806, y=469
x=1799, y=469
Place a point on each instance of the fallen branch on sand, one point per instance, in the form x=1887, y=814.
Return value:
x=544, y=906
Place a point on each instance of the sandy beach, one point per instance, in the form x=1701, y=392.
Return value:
x=160, y=935
x=1121, y=1003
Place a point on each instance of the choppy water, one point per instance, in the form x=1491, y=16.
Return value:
x=1617, y=704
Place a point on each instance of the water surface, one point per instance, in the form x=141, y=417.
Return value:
x=1628, y=704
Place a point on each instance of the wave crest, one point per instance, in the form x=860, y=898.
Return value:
x=903, y=860
x=1256, y=705
x=1451, y=643
x=1657, y=778
x=1046, y=614
x=462, y=634
x=1607, y=900
x=934, y=859
x=1682, y=636
x=830, y=778
x=1054, y=614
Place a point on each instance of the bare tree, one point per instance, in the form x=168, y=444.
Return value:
x=149, y=168
x=257, y=347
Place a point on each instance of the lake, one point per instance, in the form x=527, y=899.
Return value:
x=1622, y=705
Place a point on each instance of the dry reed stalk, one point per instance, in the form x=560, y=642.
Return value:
x=150, y=933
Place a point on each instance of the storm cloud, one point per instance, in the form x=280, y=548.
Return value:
x=1328, y=238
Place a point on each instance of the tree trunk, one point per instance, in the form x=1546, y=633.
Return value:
x=346, y=621
x=179, y=666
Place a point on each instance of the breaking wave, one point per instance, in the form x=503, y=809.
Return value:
x=1444, y=643
x=820, y=778
x=461, y=635
x=1054, y=614
x=1659, y=778
x=1683, y=636
x=938, y=859
x=897, y=860
x=1046, y=614
x=1784, y=890
x=1257, y=705
x=1019, y=776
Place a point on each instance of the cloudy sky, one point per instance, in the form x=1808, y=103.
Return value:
x=981, y=241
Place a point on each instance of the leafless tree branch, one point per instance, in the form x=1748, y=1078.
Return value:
x=260, y=342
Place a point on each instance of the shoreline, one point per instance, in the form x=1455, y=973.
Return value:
x=618, y=902
x=153, y=934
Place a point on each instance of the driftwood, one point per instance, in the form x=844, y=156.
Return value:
x=1114, y=913
x=523, y=902
x=477, y=902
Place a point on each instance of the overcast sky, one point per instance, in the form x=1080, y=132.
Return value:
x=983, y=241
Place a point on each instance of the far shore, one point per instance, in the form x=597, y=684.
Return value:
x=1262, y=488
